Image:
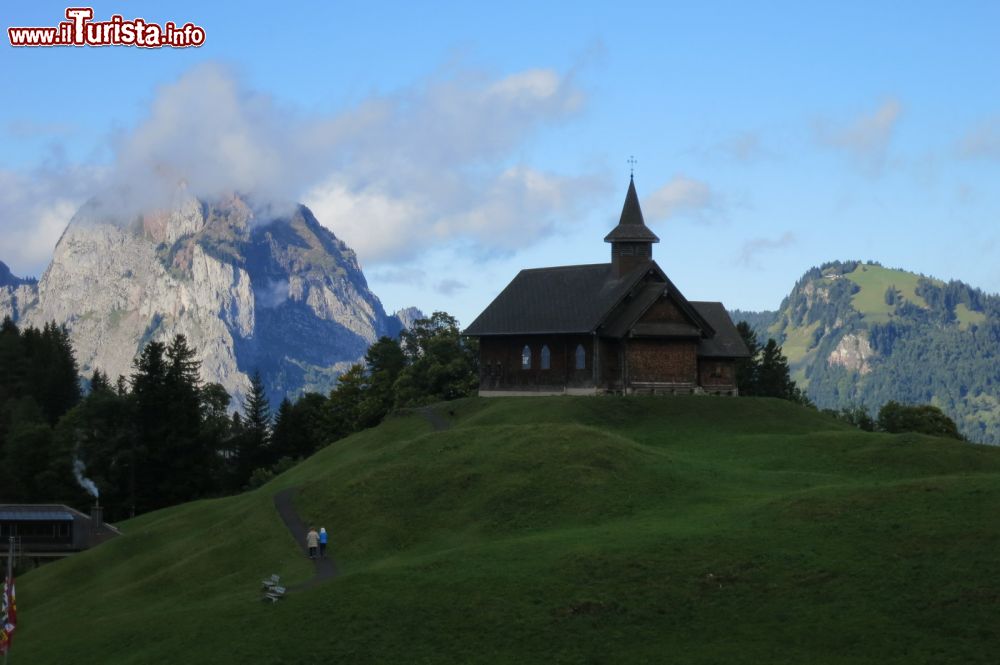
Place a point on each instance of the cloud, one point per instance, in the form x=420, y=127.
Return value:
x=394, y=218
x=981, y=142
x=683, y=197
x=271, y=293
x=413, y=276
x=393, y=175
x=746, y=147
x=867, y=138
x=755, y=246
x=27, y=128
x=448, y=287
x=34, y=209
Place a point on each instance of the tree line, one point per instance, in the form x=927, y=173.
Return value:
x=765, y=373
x=162, y=436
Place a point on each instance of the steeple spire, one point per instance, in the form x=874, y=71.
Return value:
x=631, y=241
x=631, y=226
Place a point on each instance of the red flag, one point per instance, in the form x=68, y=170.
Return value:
x=8, y=615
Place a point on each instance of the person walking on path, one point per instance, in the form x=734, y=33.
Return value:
x=322, y=542
x=312, y=541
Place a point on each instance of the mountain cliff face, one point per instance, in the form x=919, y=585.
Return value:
x=16, y=294
x=251, y=289
x=862, y=334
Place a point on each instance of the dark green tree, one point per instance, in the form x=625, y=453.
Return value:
x=100, y=433
x=925, y=419
x=442, y=365
x=299, y=427
x=773, y=377
x=33, y=468
x=99, y=382
x=189, y=455
x=746, y=368
x=150, y=397
x=343, y=408
x=254, y=443
x=384, y=361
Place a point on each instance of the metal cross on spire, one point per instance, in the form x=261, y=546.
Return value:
x=631, y=163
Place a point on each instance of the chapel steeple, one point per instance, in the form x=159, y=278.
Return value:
x=631, y=241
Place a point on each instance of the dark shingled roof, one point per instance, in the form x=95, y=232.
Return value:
x=618, y=326
x=567, y=299
x=727, y=342
x=631, y=226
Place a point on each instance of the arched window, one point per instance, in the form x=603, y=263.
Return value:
x=581, y=357
x=526, y=357
x=546, y=357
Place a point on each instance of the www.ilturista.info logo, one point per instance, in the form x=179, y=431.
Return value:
x=81, y=30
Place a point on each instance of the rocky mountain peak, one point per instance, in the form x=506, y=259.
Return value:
x=263, y=288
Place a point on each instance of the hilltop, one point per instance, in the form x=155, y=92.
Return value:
x=861, y=334
x=688, y=529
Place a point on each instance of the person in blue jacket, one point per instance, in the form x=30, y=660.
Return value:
x=322, y=542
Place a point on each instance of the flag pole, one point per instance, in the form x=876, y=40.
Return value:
x=10, y=573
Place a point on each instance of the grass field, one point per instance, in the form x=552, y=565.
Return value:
x=874, y=281
x=967, y=317
x=563, y=530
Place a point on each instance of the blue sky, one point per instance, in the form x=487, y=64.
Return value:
x=452, y=144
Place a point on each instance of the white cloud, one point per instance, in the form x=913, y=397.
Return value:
x=755, y=246
x=682, y=197
x=981, y=142
x=34, y=210
x=866, y=139
x=449, y=287
x=746, y=147
x=393, y=175
x=400, y=275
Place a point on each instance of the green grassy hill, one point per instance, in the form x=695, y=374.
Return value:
x=861, y=334
x=563, y=530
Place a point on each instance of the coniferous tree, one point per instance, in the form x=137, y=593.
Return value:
x=100, y=433
x=299, y=427
x=254, y=450
x=99, y=382
x=188, y=455
x=746, y=368
x=152, y=424
x=773, y=378
x=217, y=432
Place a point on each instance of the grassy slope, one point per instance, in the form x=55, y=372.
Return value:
x=694, y=530
x=874, y=281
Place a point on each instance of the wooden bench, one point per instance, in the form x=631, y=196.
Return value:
x=273, y=590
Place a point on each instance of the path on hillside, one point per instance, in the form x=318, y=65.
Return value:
x=437, y=421
x=325, y=568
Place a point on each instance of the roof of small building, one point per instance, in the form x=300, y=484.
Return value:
x=726, y=343
x=35, y=513
x=565, y=299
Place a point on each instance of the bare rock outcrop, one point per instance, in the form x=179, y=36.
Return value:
x=252, y=289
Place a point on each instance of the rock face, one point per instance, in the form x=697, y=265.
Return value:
x=852, y=352
x=16, y=294
x=251, y=289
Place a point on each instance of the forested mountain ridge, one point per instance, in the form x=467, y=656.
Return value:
x=858, y=333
